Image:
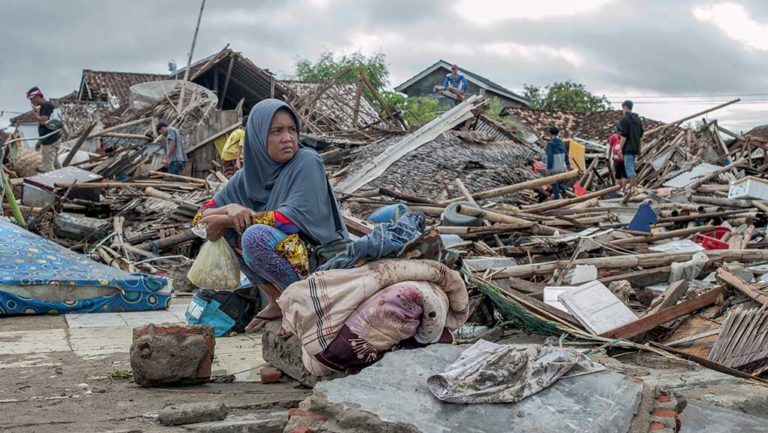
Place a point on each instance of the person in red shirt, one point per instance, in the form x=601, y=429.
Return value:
x=617, y=157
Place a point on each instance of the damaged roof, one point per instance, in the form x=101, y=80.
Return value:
x=472, y=77
x=112, y=87
x=233, y=77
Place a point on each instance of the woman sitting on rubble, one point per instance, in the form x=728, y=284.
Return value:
x=277, y=205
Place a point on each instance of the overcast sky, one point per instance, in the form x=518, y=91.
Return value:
x=672, y=58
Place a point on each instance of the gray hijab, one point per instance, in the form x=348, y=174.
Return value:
x=298, y=188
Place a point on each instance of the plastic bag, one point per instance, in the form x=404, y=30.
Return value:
x=216, y=267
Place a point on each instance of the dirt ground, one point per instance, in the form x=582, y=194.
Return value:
x=54, y=391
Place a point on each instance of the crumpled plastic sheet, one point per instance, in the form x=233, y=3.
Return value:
x=689, y=270
x=507, y=373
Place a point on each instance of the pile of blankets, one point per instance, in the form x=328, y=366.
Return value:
x=346, y=319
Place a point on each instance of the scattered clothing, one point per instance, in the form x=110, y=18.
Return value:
x=631, y=128
x=507, y=373
x=53, y=114
x=385, y=239
x=339, y=330
x=458, y=82
x=179, y=154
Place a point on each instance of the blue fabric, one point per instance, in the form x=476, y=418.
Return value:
x=298, y=189
x=388, y=214
x=27, y=259
x=258, y=244
x=385, y=239
x=629, y=166
x=458, y=81
x=643, y=219
x=175, y=167
x=202, y=312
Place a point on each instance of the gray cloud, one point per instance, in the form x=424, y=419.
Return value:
x=654, y=46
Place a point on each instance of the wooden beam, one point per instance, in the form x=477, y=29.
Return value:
x=495, y=192
x=642, y=278
x=737, y=283
x=356, y=226
x=630, y=261
x=707, y=363
x=674, y=292
x=78, y=144
x=226, y=79
x=651, y=321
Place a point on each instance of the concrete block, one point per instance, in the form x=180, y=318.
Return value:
x=285, y=354
x=260, y=421
x=167, y=355
x=190, y=413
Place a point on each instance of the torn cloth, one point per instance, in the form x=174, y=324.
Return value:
x=384, y=240
x=506, y=373
x=380, y=303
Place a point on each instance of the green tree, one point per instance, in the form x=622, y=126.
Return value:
x=328, y=66
x=565, y=95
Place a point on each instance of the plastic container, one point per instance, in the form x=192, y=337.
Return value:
x=711, y=240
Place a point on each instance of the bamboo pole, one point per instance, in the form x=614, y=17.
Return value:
x=530, y=184
x=189, y=59
x=662, y=236
x=630, y=261
x=567, y=202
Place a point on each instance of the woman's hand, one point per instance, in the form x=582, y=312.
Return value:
x=216, y=226
x=240, y=216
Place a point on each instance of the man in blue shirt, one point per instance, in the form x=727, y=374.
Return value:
x=175, y=155
x=455, y=82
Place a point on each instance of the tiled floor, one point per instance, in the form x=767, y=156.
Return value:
x=101, y=334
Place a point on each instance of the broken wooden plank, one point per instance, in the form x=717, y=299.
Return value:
x=669, y=298
x=531, y=184
x=651, y=321
x=737, y=283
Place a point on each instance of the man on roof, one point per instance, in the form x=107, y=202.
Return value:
x=48, y=129
x=455, y=82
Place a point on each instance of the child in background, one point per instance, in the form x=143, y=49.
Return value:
x=540, y=167
x=557, y=159
x=617, y=157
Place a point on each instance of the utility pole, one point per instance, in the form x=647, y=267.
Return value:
x=189, y=60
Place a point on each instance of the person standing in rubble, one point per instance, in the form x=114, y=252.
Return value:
x=276, y=207
x=631, y=130
x=175, y=155
x=455, y=82
x=48, y=128
x=231, y=153
x=557, y=159
x=617, y=158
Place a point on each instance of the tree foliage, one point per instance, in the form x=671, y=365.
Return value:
x=565, y=95
x=327, y=66
x=416, y=111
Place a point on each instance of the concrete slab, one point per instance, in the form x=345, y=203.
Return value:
x=93, y=343
x=395, y=391
x=700, y=417
x=41, y=341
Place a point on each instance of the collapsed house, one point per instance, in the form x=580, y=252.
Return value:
x=675, y=273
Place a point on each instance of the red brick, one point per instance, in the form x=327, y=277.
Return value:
x=663, y=397
x=306, y=414
x=270, y=375
x=302, y=429
x=665, y=413
x=657, y=426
